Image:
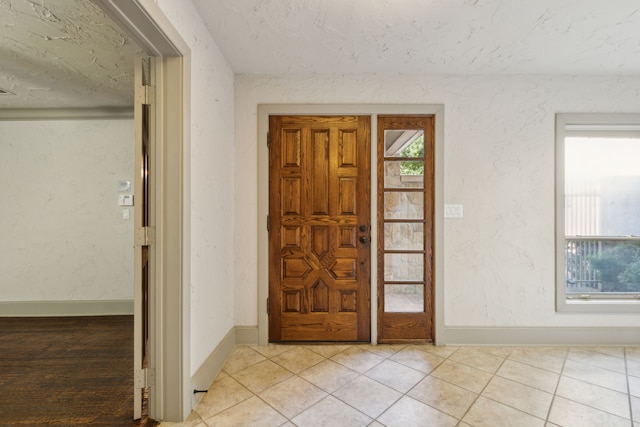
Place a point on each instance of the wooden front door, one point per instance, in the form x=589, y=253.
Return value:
x=319, y=215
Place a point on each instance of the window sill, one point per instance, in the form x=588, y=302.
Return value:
x=600, y=305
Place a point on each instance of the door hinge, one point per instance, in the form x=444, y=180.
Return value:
x=268, y=223
x=268, y=307
x=145, y=378
x=268, y=140
x=145, y=236
x=146, y=95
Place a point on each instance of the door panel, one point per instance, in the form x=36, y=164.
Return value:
x=319, y=253
x=144, y=220
x=405, y=228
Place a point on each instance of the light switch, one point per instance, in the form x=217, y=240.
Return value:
x=125, y=200
x=453, y=211
x=125, y=213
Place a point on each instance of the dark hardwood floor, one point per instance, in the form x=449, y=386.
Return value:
x=67, y=371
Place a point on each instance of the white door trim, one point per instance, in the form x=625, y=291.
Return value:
x=145, y=22
x=372, y=110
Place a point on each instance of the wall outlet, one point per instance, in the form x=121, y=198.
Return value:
x=453, y=211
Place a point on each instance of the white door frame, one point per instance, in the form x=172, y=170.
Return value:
x=169, y=323
x=372, y=110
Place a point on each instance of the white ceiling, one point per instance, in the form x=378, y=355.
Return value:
x=63, y=54
x=427, y=36
x=67, y=53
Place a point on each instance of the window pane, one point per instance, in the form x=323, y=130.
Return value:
x=401, y=174
x=595, y=265
x=403, y=298
x=602, y=201
x=399, y=267
x=403, y=143
x=403, y=205
x=404, y=236
x=602, y=186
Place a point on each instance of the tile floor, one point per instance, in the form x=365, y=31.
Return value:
x=423, y=385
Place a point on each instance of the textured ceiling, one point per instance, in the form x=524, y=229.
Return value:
x=67, y=53
x=427, y=36
x=63, y=53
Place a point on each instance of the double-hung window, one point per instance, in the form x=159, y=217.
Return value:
x=598, y=212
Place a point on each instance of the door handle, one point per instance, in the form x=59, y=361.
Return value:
x=364, y=239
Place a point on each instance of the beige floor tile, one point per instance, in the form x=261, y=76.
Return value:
x=528, y=375
x=252, y=412
x=591, y=357
x=595, y=375
x=487, y=413
x=632, y=353
x=408, y=412
x=443, y=396
x=633, y=367
x=550, y=359
x=327, y=350
x=635, y=407
x=478, y=358
x=242, y=357
x=568, y=413
x=331, y=412
x=292, y=396
x=329, y=375
x=462, y=375
x=261, y=376
x=297, y=359
x=223, y=393
x=385, y=350
x=271, y=350
x=395, y=375
x=498, y=351
x=519, y=396
x=595, y=396
x=634, y=386
x=419, y=360
x=442, y=351
x=611, y=351
x=194, y=420
x=376, y=424
x=368, y=396
x=357, y=359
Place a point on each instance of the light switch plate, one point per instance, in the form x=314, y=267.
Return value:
x=453, y=211
x=125, y=200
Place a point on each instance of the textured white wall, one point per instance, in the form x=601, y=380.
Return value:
x=211, y=182
x=63, y=236
x=499, y=163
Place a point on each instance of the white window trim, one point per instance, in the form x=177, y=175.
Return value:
x=568, y=124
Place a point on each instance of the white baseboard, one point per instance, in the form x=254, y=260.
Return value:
x=210, y=368
x=530, y=336
x=247, y=335
x=65, y=308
